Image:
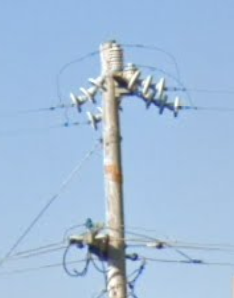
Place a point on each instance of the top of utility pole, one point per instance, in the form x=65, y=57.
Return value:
x=111, y=57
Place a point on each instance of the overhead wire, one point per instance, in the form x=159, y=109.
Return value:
x=66, y=66
x=146, y=241
x=149, y=259
x=36, y=254
x=214, y=109
x=177, y=242
x=157, y=49
x=160, y=244
x=65, y=234
x=212, y=91
x=29, y=131
x=37, y=110
x=39, y=248
x=156, y=244
x=49, y=203
x=182, y=88
x=75, y=272
x=192, y=262
x=38, y=268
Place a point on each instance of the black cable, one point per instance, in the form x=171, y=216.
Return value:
x=66, y=66
x=74, y=272
x=154, y=48
x=102, y=270
x=138, y=272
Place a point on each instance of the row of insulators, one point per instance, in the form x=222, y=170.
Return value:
x=151, y=93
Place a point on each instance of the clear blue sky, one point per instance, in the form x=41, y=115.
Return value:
x=178, y=173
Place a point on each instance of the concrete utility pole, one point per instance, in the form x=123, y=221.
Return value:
x=112, y=63
x=116, y=81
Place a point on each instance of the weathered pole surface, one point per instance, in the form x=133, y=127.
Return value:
x=112, y=63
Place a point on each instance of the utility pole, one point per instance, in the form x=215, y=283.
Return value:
x=112, y=63
x=116, y=81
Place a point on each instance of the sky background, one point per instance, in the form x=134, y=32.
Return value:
x=178, y=173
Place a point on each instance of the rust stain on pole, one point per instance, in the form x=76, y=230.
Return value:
x=114, y=173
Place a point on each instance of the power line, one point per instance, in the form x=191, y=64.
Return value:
x=39, y=268
x=192, y=262
x=66, y=66
x=157, y=49
x=36, y=111
x=213, y=91
x=36, y=249
x=70, y=229
x=204, y=244
x=43, y=249
x=149, y=259
x=28, y=131
x=36, y=254
x=49, y=203
x=148, y=241
x=214, y=109
x=166, y=244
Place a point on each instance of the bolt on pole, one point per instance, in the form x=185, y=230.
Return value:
x=112, y=63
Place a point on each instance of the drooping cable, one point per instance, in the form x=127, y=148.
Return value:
x=75, y=272
x=158, y=49
x=135, y=275
x=66, y=66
